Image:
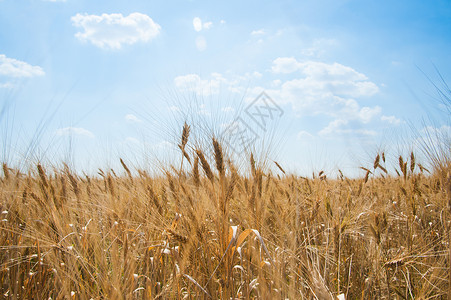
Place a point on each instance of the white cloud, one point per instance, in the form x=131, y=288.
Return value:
x=276, y=83
x=132, y=118
x=319, y=70
x=391, y=120
x=318, y=47
x=366, y=114
x=316, y=69
x=302, y=135
x=201, y=43
x=285, y=65
x=257, y=74
x=114, y=30
x=199, y=25
x=333, y=127
x=193, y=83
x=258, y=32
x=74, y=131
x=342, y=127
x=15, y=68
x=347, y=108
x=329, y=90
x=207, y=25
x=322, y=88
x=216, y=81
x=313, y=88
x=189, y=82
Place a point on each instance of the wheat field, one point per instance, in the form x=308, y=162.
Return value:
x=211, y=229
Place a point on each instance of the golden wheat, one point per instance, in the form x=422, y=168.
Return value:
x=225, y=235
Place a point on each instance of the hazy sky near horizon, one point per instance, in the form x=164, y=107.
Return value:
x=90, y=81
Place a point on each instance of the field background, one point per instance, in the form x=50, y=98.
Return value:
x=218, y=230
x=198, y=149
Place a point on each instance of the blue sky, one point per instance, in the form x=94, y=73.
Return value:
x=90, y=81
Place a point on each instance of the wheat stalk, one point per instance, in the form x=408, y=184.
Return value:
x=205, y=165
